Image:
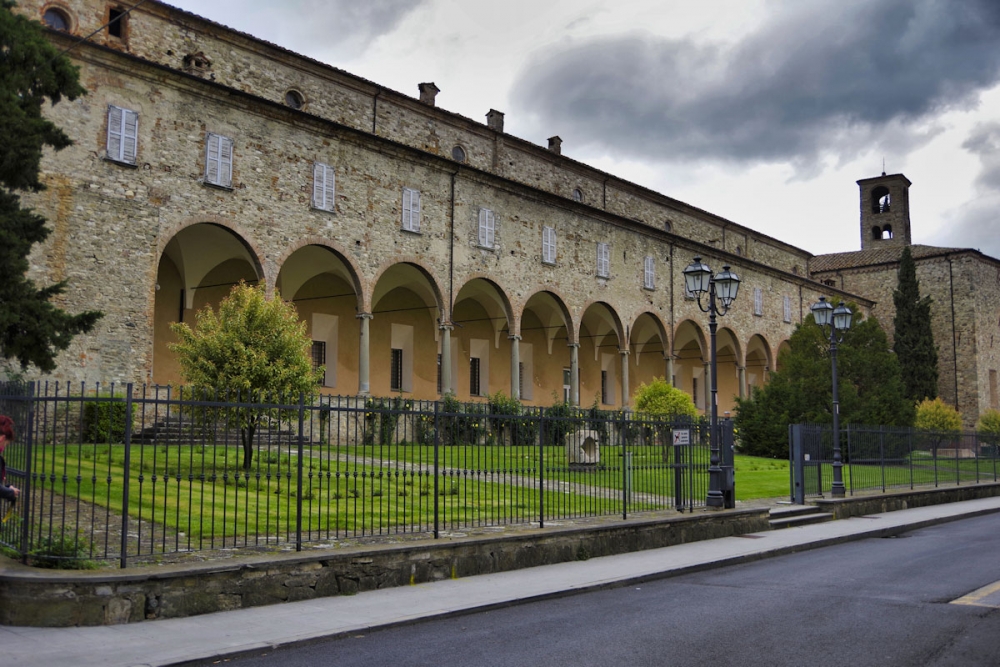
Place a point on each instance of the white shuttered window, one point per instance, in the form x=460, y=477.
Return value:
x=788, y=309
x=487, y=228
x=549, y=245
x=649, y=273
x=123, y=133
x=758, y=301
x=603, y=260
x=324, y=187
x=411, y=210
x=219, y=160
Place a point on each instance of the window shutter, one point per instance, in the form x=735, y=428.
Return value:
x=487, y=228
x=788, y=309
x=130, y=136
x=319, y=185
x=225, y=161
x=114, y=132
x=603, y=259
x=330, y=189
x=758, y=301
x=549, y=245
x=650, y=274
x=411, y=210
x=212, y=159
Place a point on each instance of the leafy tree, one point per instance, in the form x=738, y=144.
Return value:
x=253, y=346
x=660, y=400
x=870, y=387
x=32, y=74
x=913, y=339
x=989, y=426
x=936, y=415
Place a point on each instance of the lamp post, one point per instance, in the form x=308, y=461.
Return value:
x=722, y=288
x=839, y=321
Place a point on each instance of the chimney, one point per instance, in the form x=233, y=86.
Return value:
x=494, y=120
x=555, y=145
x=428, y=91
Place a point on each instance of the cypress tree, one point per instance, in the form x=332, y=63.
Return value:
x=913, y=338
x=32, y=74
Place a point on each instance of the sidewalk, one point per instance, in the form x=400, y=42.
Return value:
x=173, y=641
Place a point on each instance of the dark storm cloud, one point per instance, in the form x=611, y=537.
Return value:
x=824, y=75
x=984, y=141
x=977, y=222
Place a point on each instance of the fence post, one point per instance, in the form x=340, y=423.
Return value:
x=541, y=474
x=626, y=464
x=797, y=468
x=298, y=488
x=909, y=445
x=881, y=453
x=437, y=445
x=123, y=558
x=26, y=492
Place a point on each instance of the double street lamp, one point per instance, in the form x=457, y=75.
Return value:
x=721, y=290
x=839, y=321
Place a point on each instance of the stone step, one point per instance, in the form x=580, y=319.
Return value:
x=800, y=520
x=792, y=510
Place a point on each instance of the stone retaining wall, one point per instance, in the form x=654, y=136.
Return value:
x=48, y=598
x=844, y=508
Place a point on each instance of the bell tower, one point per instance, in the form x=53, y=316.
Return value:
x=885, y=211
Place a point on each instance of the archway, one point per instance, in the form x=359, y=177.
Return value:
x=690, y=362
x=603, y=378
x=545, y=327
x=648, y=346
x=481, y=347
x=758, y=363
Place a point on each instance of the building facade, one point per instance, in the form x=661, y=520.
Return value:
x=427, y=252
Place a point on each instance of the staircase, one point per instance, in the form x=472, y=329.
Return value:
x=173, y=431
x=797, y=515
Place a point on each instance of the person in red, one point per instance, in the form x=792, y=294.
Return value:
x=9, y=493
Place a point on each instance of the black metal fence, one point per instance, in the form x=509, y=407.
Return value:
x=881, y=458
x=116, y=472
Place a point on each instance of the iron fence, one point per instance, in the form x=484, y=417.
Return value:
x=129, y=473
x=881, y=458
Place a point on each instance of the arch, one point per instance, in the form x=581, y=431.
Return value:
x=886, y=232
x=783, y=347
x=482, y=350
x=197, y=267
x=58, y=16
x=547, y=328
x=690, y=352
x=326, y=291
x=876, y=233
x=649, y=347
x=881, y=202
x=346, y=268
x=729, y=359
x=602, y=338
x=409, y=271
x=758, y=364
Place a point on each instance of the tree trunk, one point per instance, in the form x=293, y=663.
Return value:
x=246, y=436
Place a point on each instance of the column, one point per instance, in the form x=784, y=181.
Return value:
x=670, y=370
x=515, y=367
x=742, y=371
x=446, y=387
x=574, y=373
x=364, y=382
x=625, y=392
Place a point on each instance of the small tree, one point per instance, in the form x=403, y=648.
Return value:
x=251, y=346
x=660, y=400
x=936, y=415
x=913, y=339
x=989, y=426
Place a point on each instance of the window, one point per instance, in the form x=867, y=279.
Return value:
x=219, y=160
x=603, y=260
x=567, y=380
x=294, y=99
x=396, y=372
x=411, y=210
x=474, y=376
x=549, y=245
x=758, y=301
x=667, y=227
x=577, y=194
x=123, y=132
x=487, y=228
x=318, y=356
x=116, y=22
x=458, y=154
x=788, y=309
x=56, y=19
x=324, y=182
x=649, y=273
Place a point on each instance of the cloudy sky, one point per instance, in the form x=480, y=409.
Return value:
x=763, y=111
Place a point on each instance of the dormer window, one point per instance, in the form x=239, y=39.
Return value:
x=294, y=99
x=57, y=19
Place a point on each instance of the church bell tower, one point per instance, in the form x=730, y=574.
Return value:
x=885, y=211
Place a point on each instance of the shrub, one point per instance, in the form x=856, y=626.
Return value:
x=989, y=426
x=936, y=415
x=106, y=421
x=64, y=552
x=660, y=400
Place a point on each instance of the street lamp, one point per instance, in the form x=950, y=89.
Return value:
x=839, y=321
x=699, y=280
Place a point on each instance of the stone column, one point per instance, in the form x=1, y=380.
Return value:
x=742, y=371
x=670, y=370
x=446, y=358
x=574, y=373
x=364, y=381
x=515, y=367
x=625, y=392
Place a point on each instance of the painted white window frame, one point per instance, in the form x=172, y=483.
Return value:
x=324, y=187
x=411, y=210
x=218, y=160
x=758, y=301
x=487, y=228
x=603, y=260
x=788, y=308
x=549, y=245
x=649, y=272
x=123, y=134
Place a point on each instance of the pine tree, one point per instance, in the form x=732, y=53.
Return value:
x=913, y=338
x=32, y=74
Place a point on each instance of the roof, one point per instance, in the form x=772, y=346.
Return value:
x=875, y=256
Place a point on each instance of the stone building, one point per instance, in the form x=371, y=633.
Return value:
x=427, y=252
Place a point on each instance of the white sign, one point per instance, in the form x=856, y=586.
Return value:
x=682, y=437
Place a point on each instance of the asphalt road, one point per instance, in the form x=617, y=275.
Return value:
x=883, y=602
